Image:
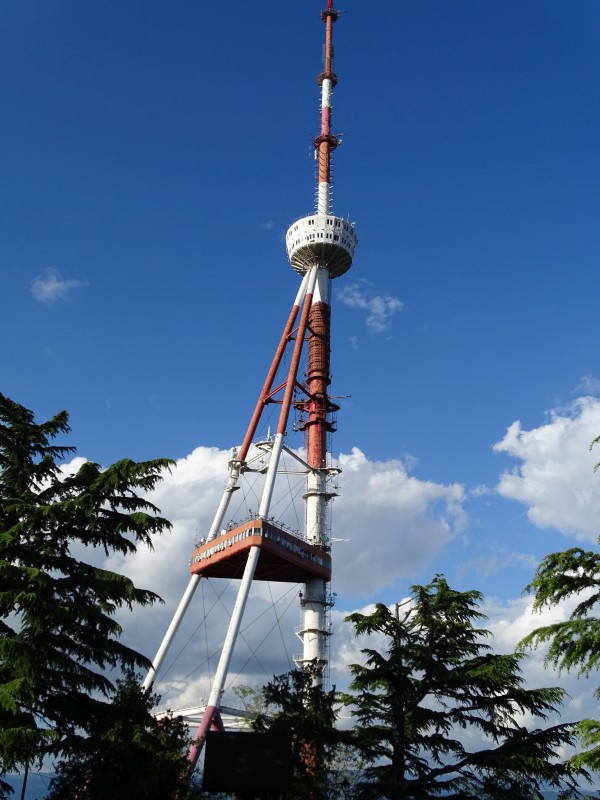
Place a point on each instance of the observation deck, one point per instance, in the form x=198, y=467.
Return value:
x=321, y=240
x=283, y=556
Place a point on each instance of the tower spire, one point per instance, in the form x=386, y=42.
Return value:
x=326, y=142
x=321, y=239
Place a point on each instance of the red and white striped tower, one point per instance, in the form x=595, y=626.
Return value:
x=320, y=247
x=325, y=243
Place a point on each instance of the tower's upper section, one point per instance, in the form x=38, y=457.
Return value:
x=323, y=239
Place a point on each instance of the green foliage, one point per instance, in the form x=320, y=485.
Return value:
x=588, y=731
x=128, y=755
x=295, y=703
x=6, y=789
x=430, y=688
x=575, y=643
x=58, y=634
x=251, y=699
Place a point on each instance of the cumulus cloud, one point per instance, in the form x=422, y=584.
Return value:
x=379, y=308
x=555, y=478
x=381, y=508
x=510, y=621
x=71, y=467
x=396, y=523
x=50, y=286
x=187, y=496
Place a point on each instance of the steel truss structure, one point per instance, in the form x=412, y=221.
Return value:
x=320, y=248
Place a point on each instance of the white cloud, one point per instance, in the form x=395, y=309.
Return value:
x=510, y=621
x=381, y=508
x=71, y=467
x=396, y=524
x=589, y=385
x=555, y=478
x=50, y=286
x=481, y=491
x=496, y=562
x=187, y=496
x=269, y=225
x=380, y=308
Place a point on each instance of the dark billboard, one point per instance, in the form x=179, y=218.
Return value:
x=247, y=762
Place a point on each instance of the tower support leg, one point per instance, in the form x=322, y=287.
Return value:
x=232, y=485
x=214, y=699
x=171, y=631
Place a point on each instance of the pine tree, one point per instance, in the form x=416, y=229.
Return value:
x=573, y=645
x=58, y=634
x=129, y=754
x=295, y=704
x=440, y=715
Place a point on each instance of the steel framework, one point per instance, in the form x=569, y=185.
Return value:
x=320, y=248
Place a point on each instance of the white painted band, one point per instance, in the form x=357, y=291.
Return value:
x=323, y=198
x=302, y=291
x=321, y=293
x=326, y=92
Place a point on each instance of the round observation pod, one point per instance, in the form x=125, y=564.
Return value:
x=321, y=240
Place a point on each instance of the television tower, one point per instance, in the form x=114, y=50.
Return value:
x=320, y=248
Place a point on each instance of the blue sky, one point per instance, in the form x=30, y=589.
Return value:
x=155, y=154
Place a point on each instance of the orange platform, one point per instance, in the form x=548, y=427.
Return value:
x=283, y=556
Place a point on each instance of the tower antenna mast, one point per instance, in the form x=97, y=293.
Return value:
x=326, y=142
x=320, y=247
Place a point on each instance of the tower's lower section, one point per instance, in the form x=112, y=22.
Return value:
x=315, y=629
